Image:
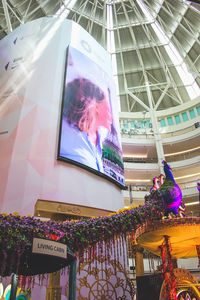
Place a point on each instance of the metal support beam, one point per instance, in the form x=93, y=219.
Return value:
x=7, y=16
x=14, y=13
x=26, y=12
x=82, y=11
x=104, y=25
x=161, y=97
x=158, y=140
x=137, y=99
x=90, y=25
x=121, y=57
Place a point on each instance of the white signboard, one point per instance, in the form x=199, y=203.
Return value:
x=47, y=247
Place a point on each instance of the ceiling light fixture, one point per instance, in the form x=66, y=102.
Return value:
x=135, y=156
x=192, y=203
x=137, y=180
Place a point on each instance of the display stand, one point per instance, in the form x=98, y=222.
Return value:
x=173, y=239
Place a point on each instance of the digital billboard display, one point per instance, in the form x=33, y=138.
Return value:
x=89, y=125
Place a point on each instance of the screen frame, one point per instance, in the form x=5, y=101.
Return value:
x=70, y=161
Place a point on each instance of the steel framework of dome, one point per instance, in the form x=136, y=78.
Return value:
x=155, y=44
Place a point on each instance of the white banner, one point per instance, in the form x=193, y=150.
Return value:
x=42, y=246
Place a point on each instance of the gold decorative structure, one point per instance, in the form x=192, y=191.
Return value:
x=186, y=284
x=184, y=236
x=104, y=279
x=182, y=239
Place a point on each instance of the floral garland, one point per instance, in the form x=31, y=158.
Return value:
x=17, y=233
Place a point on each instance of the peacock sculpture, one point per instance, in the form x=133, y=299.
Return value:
x=168, y=192
x=156, y=184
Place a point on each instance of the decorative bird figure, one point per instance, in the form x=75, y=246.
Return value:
x=166, y=190
x=156, y=184
x=153, y=189
x=170, y=192
x=161, y=179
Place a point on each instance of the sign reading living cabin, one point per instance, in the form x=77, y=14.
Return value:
x=47, y=247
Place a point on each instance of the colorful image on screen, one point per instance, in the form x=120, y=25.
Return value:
x=89, y=129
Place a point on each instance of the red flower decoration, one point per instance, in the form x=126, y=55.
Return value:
x=54, y=237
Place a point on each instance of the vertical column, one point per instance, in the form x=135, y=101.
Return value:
x=130, y=194
x=72, y=281
x=152, y=112
x=7, y=16
x=139, y=263
x=54, y=288
x=158, y=140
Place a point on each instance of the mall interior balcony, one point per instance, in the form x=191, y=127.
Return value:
x=178, y=132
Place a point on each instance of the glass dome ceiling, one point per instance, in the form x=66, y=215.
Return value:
x=154, y=44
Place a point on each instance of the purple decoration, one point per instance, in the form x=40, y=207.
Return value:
x=170, y=192
x=168, y=171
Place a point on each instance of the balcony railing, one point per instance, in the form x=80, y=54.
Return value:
x=146, y=187
x=172, y=158
x=183, y=156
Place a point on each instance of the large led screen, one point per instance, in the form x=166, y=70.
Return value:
x=89, y=126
